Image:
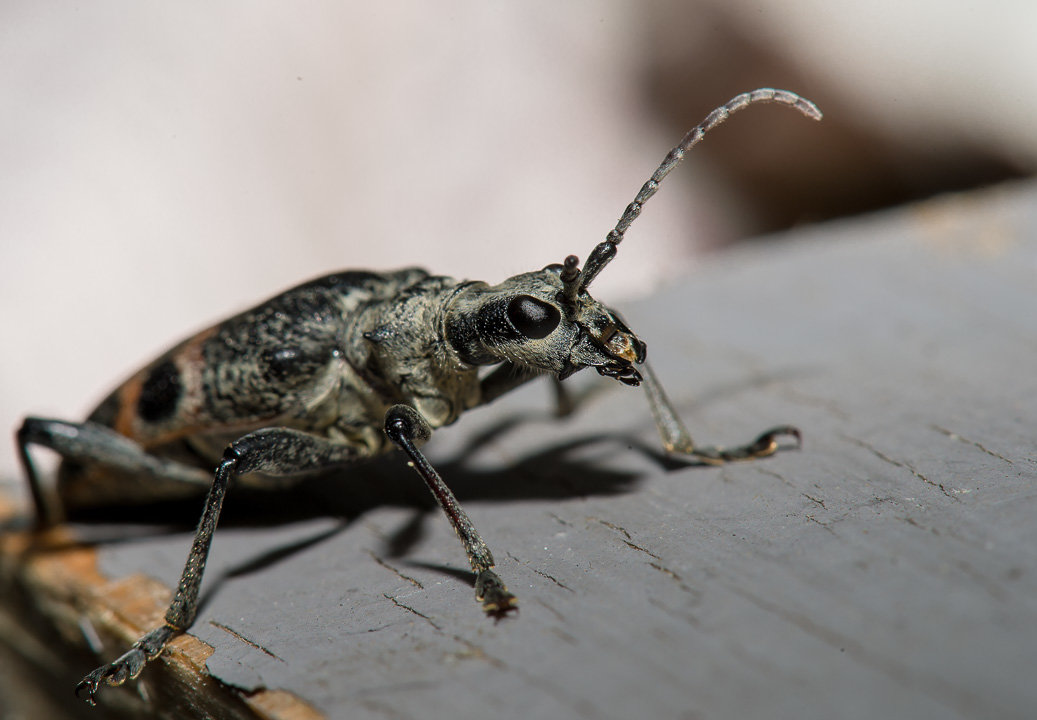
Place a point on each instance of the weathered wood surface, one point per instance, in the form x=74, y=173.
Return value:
x=887, y=569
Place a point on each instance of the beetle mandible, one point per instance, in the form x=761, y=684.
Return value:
x=344, y=368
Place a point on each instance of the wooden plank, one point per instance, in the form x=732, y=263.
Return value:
x=888, y=569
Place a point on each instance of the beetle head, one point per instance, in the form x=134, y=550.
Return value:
x=532, y=320
x=547, y=320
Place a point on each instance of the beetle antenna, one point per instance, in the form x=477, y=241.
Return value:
x=606, y=250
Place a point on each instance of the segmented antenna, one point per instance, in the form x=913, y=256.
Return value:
x=577, y=281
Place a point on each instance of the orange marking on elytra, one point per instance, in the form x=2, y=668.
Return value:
x=129, y=396
x=189, y=358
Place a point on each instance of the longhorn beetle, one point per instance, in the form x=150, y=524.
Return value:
x=343, y=368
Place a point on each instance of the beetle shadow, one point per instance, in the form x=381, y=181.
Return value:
x=561, y=470
x=266, y=559
x=554, y=472
x=551, y=473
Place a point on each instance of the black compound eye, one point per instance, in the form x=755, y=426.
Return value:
x=533, y=318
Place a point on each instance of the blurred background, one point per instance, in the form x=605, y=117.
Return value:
x=163, y=165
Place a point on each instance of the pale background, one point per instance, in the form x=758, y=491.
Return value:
x=163, y=165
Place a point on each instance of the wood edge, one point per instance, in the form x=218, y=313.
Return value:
x=62, y=578
x=282, y=705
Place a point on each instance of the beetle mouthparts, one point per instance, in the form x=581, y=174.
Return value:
x=623, y=372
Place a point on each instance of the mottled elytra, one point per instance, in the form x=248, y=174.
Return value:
x=344, y=368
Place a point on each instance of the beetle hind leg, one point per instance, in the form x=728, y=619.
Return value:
x=92, y=443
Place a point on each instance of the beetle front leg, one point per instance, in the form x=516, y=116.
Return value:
x=406, y=427
x=271, y=451
x=677, y=439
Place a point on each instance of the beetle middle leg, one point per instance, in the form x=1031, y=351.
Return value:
x=677, y=439
x=406, y=428
x=270, y=451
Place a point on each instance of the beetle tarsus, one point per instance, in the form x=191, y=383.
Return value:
x=493, y=594
x=767, y=444
x=764, y=445
x=115, y=673
x=127, y=666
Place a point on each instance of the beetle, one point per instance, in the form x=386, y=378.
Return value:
x=344, y=368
